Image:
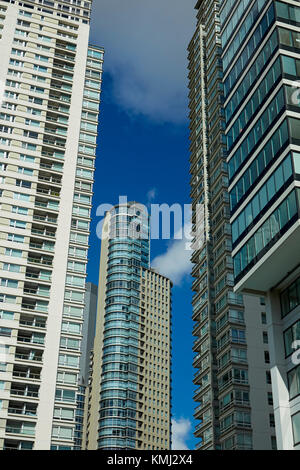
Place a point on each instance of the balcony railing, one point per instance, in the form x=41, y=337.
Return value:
x=39, y=261
x=13, y=430
x=43, y=233
x=25, y=339
x=26, y=375
x=40, y=277
x=23, y=412
x=24, y=393
x=27, y=357
x=40, y=218
x=33, y=324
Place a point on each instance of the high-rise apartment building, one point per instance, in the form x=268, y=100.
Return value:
x=232, y=360
x=261, y=59
x=129, y=405
x=50, y=82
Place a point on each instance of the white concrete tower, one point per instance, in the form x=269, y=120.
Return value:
x=50, y=92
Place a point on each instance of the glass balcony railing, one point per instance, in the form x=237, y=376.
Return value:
x=22, y=411
x=17, y=430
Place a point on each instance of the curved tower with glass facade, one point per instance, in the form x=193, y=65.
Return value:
x=129, y=401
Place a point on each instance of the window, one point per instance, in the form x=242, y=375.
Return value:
x=11, y=283
x=64, y=413
x=73, y=311
x=15, y=238
x=75, y=281
x=291, y=335
x=5, y=332
x=19, y=210
x=68, y=343
x=263, y=318
x=296, y=428
x=72, y=328
x=68, y=361
x=290, y=298
x=9, y=299
x=67, y=378
x=60, y=432
x=13, y=253
x=270, y=399
x=258, y=166
x=267, y=357
x=65, y=395
x=248, y=113
x=265, y=337
x=18, y=224
x=266, y=235
x=6, y=315
x=294, y=382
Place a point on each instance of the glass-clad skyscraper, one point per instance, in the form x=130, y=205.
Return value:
x=233, y=396
x=130, y=389
x=261, y=60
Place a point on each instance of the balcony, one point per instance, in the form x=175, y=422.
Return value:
x=202, y=424
x=46, y=232
x=43, y=260
x=235, y=424
x=67, y=87
x=45, y=190
x=58, y=107
x=66, y=46
x=36, y=289
x=228, y=321
x=50, y=153
x=52, y=166
x=23, y=354
x=32, y=321
x=200, y=372
x=63, y=76
x=34, y=305
x=17, y=445
x=57, y=118
x=196, y=360
x=55, y=130
x=60, y=97
x=22, y=409
x=28, y=337
x=47, y=177
x=234, y=403
x=23, y=390
x=30, y=373
x=54, y=142
x=201, y=387
x=63, y=66
x=36, y=244
x=41, y=216
x=19, y=427
x=232, y=381
x=38, y=274
x=68, y=57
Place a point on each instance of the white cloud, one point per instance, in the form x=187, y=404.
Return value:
x=145, y=43
x=180, y=433
x=176, y=262
x=151, y=195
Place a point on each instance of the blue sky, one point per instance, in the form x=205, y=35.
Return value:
x=143, y=150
